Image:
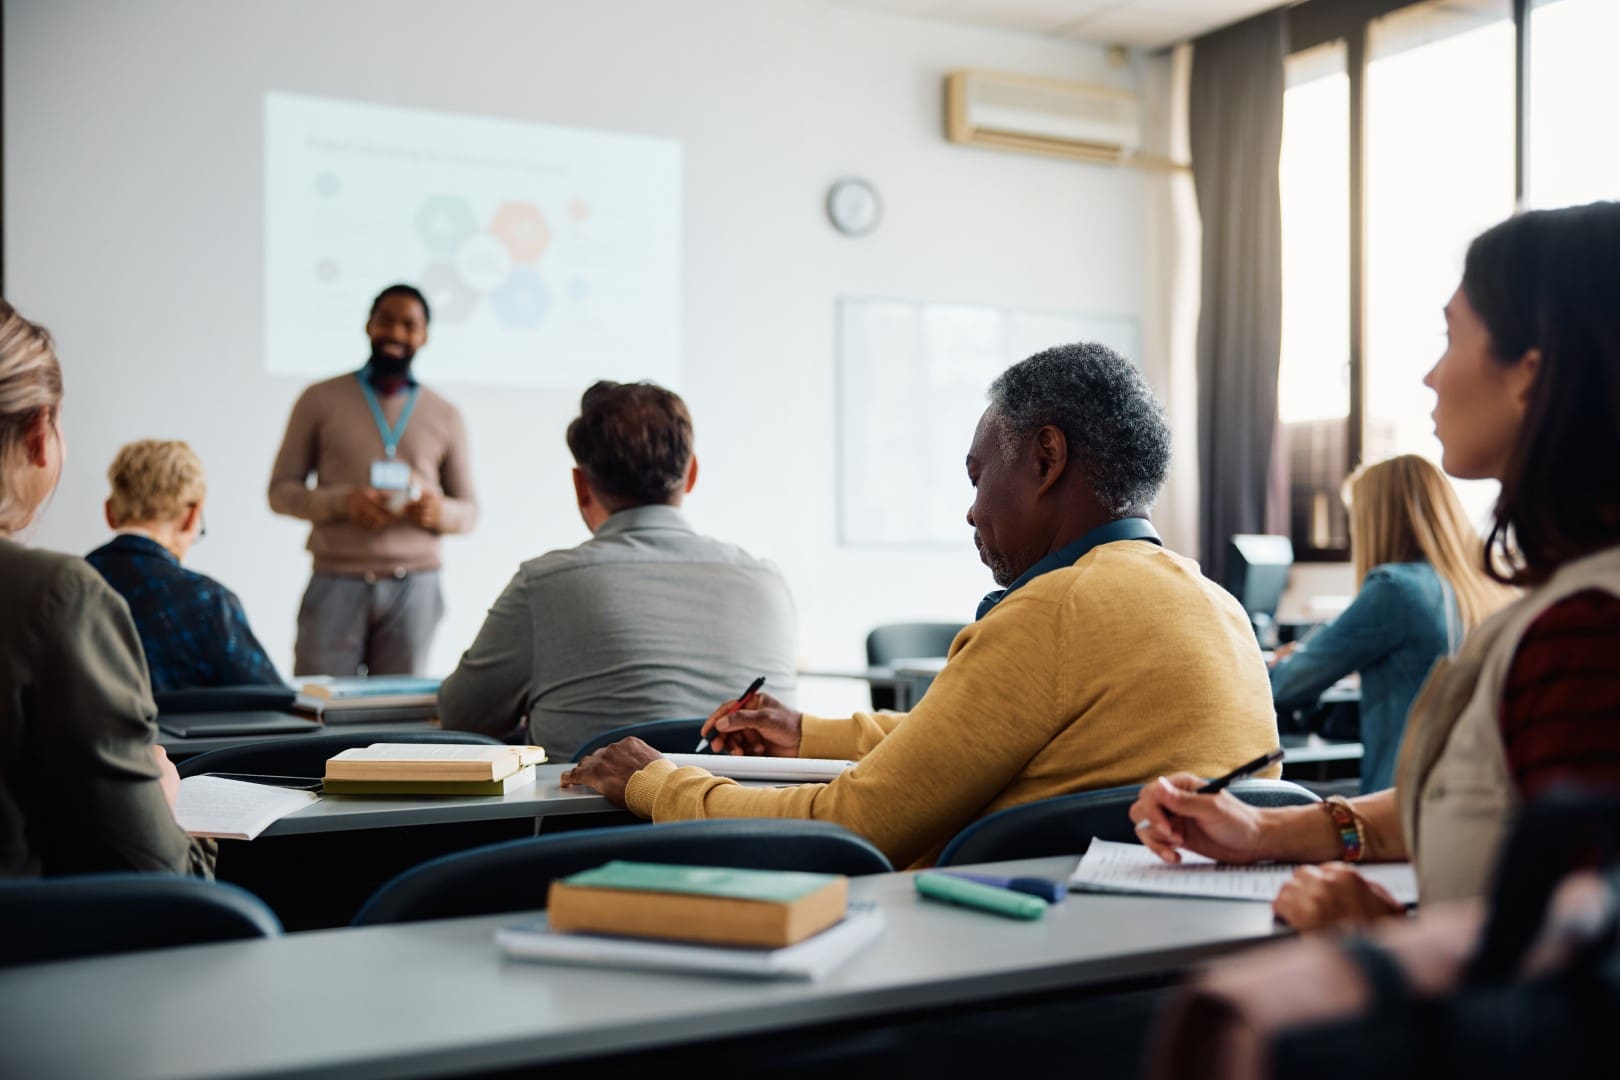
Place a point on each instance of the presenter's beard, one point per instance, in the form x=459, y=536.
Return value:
x=388, y=366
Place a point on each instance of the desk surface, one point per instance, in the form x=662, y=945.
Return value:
x=179, y=747
x=546, y=797
x=425, y=998
x=1309, y=749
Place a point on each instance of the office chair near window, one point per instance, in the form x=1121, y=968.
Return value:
x=664, y=736
x=903, y=641
x=1065, y=825
x=94, y=914
x=516, y=876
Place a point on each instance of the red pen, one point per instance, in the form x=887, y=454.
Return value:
x=753, y=688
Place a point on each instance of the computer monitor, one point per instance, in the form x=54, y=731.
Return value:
x=1257, y=573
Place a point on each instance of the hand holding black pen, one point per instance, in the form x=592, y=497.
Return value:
x=726, y=710
x=1186, y=811
x=763, y=727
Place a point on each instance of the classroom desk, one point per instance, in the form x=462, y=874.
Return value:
x=179, y=748
x=546, y=797
x=430, y=998
x=908, y=679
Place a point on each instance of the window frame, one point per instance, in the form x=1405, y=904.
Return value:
x=1321, y=22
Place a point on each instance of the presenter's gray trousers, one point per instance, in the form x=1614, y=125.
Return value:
x=374, y=624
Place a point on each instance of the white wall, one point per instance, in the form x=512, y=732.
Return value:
x=133, y=230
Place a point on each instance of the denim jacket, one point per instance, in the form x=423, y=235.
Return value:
x=1403, y=619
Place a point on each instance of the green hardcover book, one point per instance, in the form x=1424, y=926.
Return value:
x=721, y=905
x=522, y=777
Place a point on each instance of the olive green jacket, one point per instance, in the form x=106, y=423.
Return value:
x=79, y=788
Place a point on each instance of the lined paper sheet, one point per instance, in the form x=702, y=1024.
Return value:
x=740, y=767
x=234, y=809
x=1132, y=868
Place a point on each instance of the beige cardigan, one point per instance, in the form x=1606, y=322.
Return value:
x=1456, y=793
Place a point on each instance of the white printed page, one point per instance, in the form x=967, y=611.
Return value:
x=1131, y=868
x=763, y=768
x=440, y=752
x=234, y=809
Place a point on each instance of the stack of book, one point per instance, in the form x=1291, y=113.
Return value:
x=755, y=923
x=430, y=769
x=375, y=699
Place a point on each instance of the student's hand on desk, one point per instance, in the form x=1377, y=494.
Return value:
x=366, y=508
x=767, y=728
x=1332, y=894
x=427, y=511
x=609, y=769
x=1169, y=815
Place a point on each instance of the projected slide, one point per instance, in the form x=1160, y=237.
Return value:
x=550, y=255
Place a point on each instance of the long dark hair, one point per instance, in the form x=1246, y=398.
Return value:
x=1550, y=280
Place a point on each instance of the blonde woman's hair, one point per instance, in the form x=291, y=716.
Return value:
x=1405, y=510
x=154, y=480
x=30, y=383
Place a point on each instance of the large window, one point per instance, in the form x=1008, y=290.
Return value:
x=1439, y=172
x=1313, y=392
x=1408, y=128
x=1574, y=156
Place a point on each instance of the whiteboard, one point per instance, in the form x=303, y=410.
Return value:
x=912, y=380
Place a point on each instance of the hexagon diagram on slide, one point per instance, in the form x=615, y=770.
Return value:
x=444, y=223
x=522, y=302
x=523, y=229
x=452, y=300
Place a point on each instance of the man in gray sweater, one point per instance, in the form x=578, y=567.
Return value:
x=647, y=620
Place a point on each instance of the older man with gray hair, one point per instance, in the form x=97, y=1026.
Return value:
x=1103, y=660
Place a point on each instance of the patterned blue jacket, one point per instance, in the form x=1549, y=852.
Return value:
x=193, y=629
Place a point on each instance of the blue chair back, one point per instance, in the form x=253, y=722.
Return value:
x=93, y=914
x=305, y=755
x=664, y=736
x=515, y=876
x=1065, y=825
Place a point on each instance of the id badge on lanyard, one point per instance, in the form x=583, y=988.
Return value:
x=390, y=474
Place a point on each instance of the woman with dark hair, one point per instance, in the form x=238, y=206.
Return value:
x=1527, y=392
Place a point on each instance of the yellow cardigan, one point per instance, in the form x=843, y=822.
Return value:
x=1127, y=665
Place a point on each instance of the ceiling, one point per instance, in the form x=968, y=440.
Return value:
x=1147, y=24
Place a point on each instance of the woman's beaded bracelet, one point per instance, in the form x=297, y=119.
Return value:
x=1352, y=831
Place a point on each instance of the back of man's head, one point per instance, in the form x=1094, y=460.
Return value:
x=154, y=480
x=1114, y=426
x=633, y=441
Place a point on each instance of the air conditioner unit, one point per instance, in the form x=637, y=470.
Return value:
x=1041, y=116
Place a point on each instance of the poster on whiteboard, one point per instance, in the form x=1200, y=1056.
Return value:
x=912, y=380
x=550, y=255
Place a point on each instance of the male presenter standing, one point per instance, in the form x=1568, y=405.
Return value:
x=391, y=474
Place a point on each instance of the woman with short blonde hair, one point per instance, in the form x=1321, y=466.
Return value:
x=83, y=785
x=1420, y=587
x=154, y=480
x=194, y=630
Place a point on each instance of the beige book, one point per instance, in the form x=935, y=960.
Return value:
x=431, y=761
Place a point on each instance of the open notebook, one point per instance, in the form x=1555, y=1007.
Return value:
x=1132, y=868
x=764, y=768
x=232, y=809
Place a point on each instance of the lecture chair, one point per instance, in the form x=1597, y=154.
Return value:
x=305, y=755
x=95, y=914
x=664, y=736
x=904, y=641
x=1065, y=825
x=515, y=876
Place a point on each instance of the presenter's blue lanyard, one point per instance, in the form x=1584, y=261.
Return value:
x=390, y=435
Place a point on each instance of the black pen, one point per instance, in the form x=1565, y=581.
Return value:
x=1220, y=782
x=753, y=688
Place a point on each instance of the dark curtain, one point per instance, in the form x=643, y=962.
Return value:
x=1235, y=117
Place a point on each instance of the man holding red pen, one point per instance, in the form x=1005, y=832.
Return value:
x=1104, y=660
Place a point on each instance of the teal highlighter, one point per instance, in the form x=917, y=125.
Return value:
x=1004, y=902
